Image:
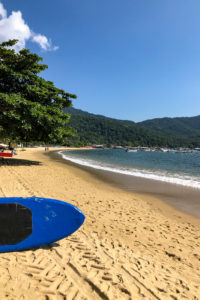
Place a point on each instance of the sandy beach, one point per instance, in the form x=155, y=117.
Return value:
x=131, y=246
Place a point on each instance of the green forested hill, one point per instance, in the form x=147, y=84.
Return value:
x=178, y=127
x=97, y=129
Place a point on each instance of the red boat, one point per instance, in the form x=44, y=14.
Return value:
x=6, y=151
x=6, y=154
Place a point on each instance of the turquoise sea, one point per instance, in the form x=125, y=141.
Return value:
x=177, y=168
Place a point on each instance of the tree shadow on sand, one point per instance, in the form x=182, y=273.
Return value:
x=18, y=162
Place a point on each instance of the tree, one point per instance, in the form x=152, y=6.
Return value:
x=31, y=108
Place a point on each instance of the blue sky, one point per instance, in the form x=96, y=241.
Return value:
x=126, y=59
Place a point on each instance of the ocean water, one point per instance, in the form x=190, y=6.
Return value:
x=177, y=168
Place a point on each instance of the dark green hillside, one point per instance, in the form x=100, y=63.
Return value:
x=97, y=129
x=177, y=127
x=193, y=122
x=75, y=111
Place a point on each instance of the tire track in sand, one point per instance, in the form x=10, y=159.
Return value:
x=82, y=266
x=50, y=272
x=14, y=181
x=41, y=271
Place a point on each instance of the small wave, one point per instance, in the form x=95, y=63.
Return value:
x=180, y=179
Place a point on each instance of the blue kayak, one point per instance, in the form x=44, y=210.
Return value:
x=31, y=222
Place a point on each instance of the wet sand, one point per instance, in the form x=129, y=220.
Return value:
x=183, y=198
x=131, y=246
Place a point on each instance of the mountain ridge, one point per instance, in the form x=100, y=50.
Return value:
x=173, y=132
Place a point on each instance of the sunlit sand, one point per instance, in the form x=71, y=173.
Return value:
x=130, y=246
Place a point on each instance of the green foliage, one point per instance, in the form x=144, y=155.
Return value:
x=31, y=108
x=92, y=129
x=177, y=127
x=95, y=129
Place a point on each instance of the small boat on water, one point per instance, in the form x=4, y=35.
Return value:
x=164, y=149
x=146, y=149
x=131, y=149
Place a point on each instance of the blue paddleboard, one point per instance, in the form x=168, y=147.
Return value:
x=31, y=222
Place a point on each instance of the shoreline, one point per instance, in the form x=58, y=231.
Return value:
x=131, y=246
x=173, y=194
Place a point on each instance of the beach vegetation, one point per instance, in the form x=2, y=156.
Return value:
x=31, y=108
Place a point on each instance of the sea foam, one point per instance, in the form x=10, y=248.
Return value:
x=164, y=176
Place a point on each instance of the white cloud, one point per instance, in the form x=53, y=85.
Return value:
x=14, y=27
x=44, y=43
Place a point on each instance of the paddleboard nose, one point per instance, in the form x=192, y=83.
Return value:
x=81, y=220
x=80, y=217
